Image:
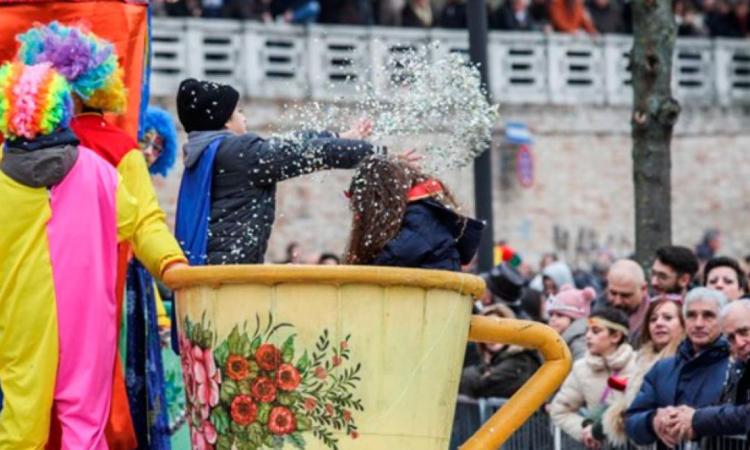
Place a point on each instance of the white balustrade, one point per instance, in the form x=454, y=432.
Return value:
x=329, y=62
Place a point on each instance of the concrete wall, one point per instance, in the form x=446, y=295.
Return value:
x=582, y=197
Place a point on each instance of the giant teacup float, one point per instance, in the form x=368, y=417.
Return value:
x=342, y=357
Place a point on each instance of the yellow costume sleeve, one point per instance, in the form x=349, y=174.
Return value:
x=162, y=318
x=153, y=243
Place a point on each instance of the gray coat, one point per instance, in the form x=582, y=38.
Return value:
x=575, y=337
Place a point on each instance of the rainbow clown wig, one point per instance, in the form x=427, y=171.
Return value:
x=34, y=100
x=88, y=62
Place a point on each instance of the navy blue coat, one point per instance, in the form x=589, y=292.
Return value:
x=684, y=379
x=730, y=418
x=432, y=237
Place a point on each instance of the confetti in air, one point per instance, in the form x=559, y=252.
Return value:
x=434, y=104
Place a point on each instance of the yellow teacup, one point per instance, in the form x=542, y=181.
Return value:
x=341, y=357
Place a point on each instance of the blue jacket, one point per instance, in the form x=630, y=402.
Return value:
x=684, y=379
x=432, y=237
x=731, y=417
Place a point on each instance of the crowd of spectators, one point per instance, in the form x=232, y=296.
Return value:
x=715, y=18
x=660, y=356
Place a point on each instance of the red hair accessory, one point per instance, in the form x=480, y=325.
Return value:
x=424, y=189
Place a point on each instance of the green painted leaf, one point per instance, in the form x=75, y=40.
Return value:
x=221, y=354
x=245, y=347
x=304, y=363
x=296, y=440
x=234, y=341
x=287, y=350
x=255, y=344
x=263, y=411
x=253, y=368
x=244, y=386
x=284, y=398
x=224, y=443
x=304, y=423
x=268, y=440
x=228, y=391
x=256, y=433
x=221, y=420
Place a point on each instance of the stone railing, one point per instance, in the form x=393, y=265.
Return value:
x=320, y=62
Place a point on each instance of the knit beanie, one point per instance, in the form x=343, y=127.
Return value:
x=504, y=282
x=205, y=105
x=572, y=302
x=34, y=100
x=88, y=62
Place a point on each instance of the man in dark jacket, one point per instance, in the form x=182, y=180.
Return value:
x=732, y=416
x=693, y=377
x=233, y=173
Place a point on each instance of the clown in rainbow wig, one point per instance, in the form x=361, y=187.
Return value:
x=64, y=210
x=89, y=64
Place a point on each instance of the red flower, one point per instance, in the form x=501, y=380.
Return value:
x=329, y=409
x=336, y=361
x=344, y=345
x=281, y=421
x=354, y=435
x=320, y=373
x=244, y=410
x=264, y=390
x=287, y=378
x=310, y=403
x=347, y=415
x=237, y=368
x=268, y=357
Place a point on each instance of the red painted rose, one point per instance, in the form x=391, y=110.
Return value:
x=347, y=415
x=268, y=357
x=329, y=409
x=264, y=390
x=244, y=411
x=237, y=368
x=287, y=377
x=354, y=435
x=281, y=421
x=344, y=345
x=336, y=361
x=321, y=373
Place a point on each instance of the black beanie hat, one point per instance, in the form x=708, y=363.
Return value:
x=504, y=282
x=205, y=105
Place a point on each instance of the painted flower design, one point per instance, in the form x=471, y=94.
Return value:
x=268, y=357
x=264, y=390
x=287, y=377
x=281, y=421
x=243, y=410
x=250, y=390
x=237, y=368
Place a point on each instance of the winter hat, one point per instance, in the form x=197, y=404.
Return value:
x=34, y=100
x=88, y=62
x=572, y=302
x=504, y=282
x=205, y=105
x=158, y=125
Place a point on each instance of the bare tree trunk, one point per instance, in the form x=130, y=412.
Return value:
x=654, y=114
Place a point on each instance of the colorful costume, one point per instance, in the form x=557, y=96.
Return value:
x=64, y=210
x=90, y=65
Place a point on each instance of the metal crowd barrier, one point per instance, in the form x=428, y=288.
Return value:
x=280, y=61
x=538, y=433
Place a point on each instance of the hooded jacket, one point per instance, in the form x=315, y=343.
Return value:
x=575, y=337
x=687, y=378
x=246, y=169
x=432, y=237
x=586, y=387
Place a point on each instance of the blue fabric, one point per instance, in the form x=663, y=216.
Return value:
x=194, y=206
x=684, y=379
x=732, y=417
x=432, y=237
x=193, y=215
x=144, y=371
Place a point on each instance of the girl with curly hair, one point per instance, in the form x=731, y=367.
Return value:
x=403, y=217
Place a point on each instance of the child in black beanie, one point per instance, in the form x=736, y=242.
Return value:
x=227, y=197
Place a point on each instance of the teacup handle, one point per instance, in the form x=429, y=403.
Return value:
x=544, y=382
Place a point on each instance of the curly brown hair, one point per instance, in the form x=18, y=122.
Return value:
x=378, y=196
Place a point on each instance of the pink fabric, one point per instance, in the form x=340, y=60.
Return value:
x=83, y=248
